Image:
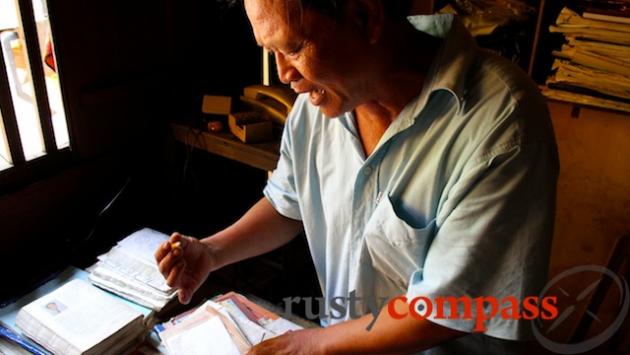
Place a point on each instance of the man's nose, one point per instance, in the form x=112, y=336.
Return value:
x=286, y=71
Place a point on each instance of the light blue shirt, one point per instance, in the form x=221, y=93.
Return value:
x=457, y=199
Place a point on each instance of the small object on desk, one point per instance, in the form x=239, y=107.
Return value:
x=216, y=105
x=215, y=126
x=250, y=127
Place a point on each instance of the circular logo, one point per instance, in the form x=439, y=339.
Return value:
x=595, y=341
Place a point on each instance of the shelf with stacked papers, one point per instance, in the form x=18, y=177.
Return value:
x=592, y=66
x=260, y=155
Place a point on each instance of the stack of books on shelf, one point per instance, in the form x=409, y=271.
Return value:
x=228, y=325
x=593, y=66
x=129, y=270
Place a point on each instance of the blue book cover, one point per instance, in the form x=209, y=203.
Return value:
x=20, y=340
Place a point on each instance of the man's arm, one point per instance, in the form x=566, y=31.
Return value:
x=401, y=335
x=260, y=230
x=186, y=262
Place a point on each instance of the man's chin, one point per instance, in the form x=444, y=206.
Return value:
x=331, y=112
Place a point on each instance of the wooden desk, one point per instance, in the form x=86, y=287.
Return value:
x=261, y=155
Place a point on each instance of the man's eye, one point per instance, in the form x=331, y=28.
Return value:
x=296, y=50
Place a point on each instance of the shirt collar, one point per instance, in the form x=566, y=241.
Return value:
x=449, y=67
x=448, y=70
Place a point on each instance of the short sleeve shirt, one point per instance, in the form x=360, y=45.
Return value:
x=457, y=199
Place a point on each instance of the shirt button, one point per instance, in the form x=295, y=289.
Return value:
x=367, y=171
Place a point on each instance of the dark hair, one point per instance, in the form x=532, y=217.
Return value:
x=333, y=8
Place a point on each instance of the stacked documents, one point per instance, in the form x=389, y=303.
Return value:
x=78, y=318
x=593, y=66
x=229, y=325
x=129, y=270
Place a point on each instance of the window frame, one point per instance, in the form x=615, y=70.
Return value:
x=23, y=172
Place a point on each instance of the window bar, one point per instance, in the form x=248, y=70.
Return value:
x=37, y=73
x=8, y=116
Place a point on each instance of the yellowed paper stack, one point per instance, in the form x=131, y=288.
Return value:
x=593, y=66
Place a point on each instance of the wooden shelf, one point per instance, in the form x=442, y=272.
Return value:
x=261, y=155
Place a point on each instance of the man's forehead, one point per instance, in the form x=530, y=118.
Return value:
x=270, y=18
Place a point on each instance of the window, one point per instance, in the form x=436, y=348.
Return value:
x=32, y=116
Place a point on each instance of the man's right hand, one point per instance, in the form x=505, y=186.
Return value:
x=185, y=263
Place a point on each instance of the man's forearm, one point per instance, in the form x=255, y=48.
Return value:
x=260, y=230
x=387, y=336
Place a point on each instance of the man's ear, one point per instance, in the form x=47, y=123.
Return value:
x=369, y=17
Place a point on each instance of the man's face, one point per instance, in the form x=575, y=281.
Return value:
x=314, y=53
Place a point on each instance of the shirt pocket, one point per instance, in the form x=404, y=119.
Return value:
x=395, y=248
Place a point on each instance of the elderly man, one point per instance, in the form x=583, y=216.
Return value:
x=417, y=164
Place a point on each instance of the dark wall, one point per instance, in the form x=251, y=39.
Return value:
x=213, y=52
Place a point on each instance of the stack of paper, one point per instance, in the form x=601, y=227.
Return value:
x=229, y=325
x=592, y=68
x=78, y=318
x=248, y=314
x=129, y=269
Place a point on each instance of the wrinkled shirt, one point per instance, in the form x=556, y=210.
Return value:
x=457, y=199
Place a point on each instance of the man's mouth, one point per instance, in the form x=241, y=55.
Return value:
x=316, y=95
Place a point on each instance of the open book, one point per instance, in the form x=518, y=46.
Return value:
x=78, y=318
x=130, y=270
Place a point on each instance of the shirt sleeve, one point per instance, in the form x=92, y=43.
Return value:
x=280, y=189
x=493, y=237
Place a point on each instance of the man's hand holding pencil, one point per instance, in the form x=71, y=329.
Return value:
x=185, y=263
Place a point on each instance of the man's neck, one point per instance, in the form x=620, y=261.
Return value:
x=401, y=80
x=372, y=121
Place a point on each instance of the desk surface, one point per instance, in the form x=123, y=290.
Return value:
x=261, y=155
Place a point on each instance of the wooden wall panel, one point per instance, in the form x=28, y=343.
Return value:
x=594, y=185
x=593, y=204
